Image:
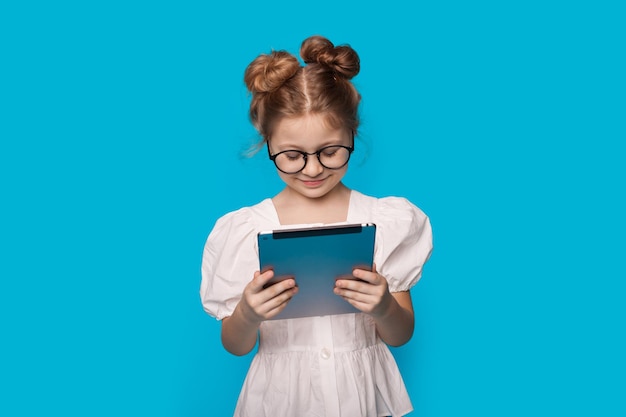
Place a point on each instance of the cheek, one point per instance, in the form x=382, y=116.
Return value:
x=283, y=176
x=341, y=172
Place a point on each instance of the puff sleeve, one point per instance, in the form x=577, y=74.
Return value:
x=403, y=243
x=228, y=263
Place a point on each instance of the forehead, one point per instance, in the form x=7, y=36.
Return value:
x=308, y=130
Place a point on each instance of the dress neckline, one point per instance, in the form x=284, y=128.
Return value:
x=276, y=219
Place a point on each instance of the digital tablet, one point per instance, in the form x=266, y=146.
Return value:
x=316, y=257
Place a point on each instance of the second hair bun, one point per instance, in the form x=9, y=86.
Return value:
x=342, y=59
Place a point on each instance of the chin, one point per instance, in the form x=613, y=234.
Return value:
x=314, y=194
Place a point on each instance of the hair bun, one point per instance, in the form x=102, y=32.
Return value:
x=268, y=72
x=342, y=60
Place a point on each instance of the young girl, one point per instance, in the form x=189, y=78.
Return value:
x=336, y=365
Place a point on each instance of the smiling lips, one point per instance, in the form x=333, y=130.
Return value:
x=313, y=184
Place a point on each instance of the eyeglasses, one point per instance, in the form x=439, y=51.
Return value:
x=293, y=161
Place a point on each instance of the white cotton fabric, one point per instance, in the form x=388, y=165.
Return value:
x=318, y=366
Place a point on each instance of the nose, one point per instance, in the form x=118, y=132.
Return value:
x=313, y=167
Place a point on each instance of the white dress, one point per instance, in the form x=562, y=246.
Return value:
x=319, y=366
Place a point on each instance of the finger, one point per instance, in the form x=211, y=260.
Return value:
x=263, y=289
x=354, y=294
x=371, y=277
x=365, y=268
x=260, y=280
x=279, y=287
x=359, y=301
x=276, y=304
x=356, y=285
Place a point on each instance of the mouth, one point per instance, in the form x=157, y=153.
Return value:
x=312, y=183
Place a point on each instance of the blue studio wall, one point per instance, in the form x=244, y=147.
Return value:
x=122, y=126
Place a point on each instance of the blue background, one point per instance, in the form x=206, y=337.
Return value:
x=122, y=126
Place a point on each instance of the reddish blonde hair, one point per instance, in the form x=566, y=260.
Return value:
x=282, y=88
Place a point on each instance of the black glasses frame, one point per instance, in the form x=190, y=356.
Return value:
x=305, y=155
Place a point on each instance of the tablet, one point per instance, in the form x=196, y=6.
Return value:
x=316, y=257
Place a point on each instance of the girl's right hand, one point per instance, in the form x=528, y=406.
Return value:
x=258, y=303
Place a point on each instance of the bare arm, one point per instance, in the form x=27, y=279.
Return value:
x=240, y=330
x=392, y=312
x=395, y=326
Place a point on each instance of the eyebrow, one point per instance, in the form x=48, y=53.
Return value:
x=291, y=147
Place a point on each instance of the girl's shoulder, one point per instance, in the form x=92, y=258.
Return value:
x=403, y=238
x=246, y=219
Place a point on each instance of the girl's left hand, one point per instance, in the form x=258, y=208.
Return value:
x=368, y=293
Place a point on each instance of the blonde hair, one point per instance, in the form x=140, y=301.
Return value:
x=281, y=87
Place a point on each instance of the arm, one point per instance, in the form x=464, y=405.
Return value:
x=396, y=326
x=392, y=312
x=240, y=330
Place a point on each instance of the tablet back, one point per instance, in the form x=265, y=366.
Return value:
x=316, y=257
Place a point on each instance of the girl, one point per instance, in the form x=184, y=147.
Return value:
x=318, y=366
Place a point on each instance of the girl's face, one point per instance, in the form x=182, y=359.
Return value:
x=309, y=133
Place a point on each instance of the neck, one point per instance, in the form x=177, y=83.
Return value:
x=294, y=208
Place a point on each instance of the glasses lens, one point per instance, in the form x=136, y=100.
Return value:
x=290, y=161
x=334, y=157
